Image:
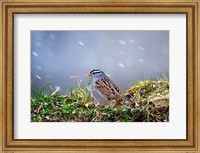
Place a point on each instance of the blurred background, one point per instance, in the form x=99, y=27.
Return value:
x=125, y=56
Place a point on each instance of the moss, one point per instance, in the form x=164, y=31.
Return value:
x=150, y=104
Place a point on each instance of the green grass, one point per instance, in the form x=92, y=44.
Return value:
x=150, y=104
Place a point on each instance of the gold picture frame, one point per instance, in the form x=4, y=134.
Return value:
x=11, y=7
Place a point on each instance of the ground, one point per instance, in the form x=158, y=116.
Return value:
x=150, y=104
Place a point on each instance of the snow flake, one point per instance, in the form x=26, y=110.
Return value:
x=52, y=36
x=74, y=76
x=38, y=77
x=38, y=67
x=38, y=44
x=140, y=48
x=122, y=42
x=35, y=54
x=121, y=52
x=141, y=60
x=81, y=43
x=121, y=65
x=131, y=41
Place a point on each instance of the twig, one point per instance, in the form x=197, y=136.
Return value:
x=94, y=119
x=57, y=89
x=39, y=108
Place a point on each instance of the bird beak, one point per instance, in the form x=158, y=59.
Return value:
x=89, y=74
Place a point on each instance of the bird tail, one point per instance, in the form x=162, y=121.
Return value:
x=127, y=99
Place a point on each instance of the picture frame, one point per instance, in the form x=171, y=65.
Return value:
x=10, y=7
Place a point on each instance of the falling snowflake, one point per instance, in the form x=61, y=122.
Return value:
x=140, y=48
x=52, y=36
x=74, y=76
x=38, y=77
x=141, y=60
x=122, y=42
x=38, y=67
x=81, y=43
x=121, y=65
x=121, y=52
x=35, y=54
x=131, y=41
x=38, y=44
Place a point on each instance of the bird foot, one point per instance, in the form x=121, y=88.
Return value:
x=105, y=102
x=116, y=102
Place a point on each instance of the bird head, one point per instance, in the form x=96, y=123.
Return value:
x=95, y=72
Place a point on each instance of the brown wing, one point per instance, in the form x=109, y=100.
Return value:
x=103, y=88
x=110, y=88
x=115, y=88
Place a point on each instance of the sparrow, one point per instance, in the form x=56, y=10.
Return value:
x=106, y=87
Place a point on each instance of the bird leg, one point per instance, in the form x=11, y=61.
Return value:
x=116, y=102
x=105, y=102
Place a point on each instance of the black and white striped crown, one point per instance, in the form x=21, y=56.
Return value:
x=96, y=71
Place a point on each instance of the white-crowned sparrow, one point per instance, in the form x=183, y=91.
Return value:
x=106, y=87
